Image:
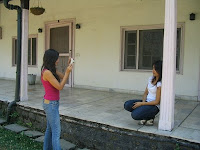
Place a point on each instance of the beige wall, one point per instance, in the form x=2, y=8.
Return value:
x=97, y=43
x=0, y=16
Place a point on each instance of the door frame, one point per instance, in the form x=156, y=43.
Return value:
x=59, y=23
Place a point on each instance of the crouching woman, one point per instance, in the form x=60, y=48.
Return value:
x=146, y=109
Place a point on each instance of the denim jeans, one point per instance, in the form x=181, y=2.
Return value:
x=52, y=134
x=145, y=112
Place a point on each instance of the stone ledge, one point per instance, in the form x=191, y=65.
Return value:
x=101, y=136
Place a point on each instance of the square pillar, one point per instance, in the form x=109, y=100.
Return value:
x=24, y=52
x=166, y=121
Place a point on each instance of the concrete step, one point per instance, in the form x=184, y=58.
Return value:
x=2, y=121
x=33, y=134
x=40, y=139
x=65, y=145
x=16, y=128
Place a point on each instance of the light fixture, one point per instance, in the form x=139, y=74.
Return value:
x=40, y=30
x=78, y=26
x=192, y=16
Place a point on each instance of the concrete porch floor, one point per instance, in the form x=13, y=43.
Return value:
x=107, y=108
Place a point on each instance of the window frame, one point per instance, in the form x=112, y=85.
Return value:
x=136, y=28
x=13, y=50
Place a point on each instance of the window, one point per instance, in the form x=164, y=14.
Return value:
x=32, y=49
x=142, y=45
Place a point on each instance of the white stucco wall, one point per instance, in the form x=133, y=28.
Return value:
x=97, y=43
x=0, y=15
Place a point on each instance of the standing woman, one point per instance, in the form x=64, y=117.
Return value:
x=50, y=78
x=146, y=109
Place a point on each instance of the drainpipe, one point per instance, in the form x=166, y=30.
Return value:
x=18, y=69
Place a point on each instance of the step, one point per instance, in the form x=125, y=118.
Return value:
x=2, y=121
x=33, y=134
x=65, y=145
x=40, y=139
x=16, y=128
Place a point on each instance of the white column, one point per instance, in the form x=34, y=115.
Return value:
x=166, y=121
x=24, y=56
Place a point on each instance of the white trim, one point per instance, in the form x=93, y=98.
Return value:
x=182, y=26
x=122, y=35
x=62, y=54
x=138, y=50
x=13, y=50
x=73, y=49
x=61, y=23
x=123, y=29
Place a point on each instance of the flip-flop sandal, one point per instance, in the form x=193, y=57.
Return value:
x=149, y=122
x=142, y=122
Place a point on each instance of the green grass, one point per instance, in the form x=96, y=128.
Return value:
x=12, y=141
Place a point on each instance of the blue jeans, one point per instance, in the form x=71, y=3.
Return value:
x=145, y=112
x=52, y=134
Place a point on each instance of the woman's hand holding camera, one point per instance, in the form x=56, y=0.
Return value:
x=70, y=66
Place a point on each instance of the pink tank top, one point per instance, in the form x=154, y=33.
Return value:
x=51, y=93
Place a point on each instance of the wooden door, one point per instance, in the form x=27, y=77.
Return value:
x=59, y=37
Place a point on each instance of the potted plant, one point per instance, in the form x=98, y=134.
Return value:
x=31, y=79
x=37, y=10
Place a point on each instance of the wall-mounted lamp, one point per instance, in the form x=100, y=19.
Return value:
x=40, y=30
x=192, y=16
x=78, y=26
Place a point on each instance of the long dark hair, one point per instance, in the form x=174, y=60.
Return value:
x=158, y=67
x=49, y=60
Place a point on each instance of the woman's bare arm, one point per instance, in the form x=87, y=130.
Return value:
x=60, y=75
x=155, y=102
x=145, y=95
x=48, y=76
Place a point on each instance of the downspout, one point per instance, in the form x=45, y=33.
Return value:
x=18, y=69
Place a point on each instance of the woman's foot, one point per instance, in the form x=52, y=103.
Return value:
x=149, y=122
x=142, y=122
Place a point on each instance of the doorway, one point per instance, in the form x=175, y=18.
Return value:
x=59, y=36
